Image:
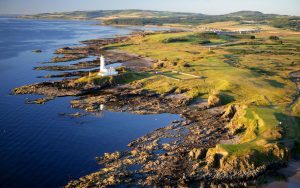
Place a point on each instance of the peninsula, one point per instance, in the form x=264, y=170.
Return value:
x=233, y=78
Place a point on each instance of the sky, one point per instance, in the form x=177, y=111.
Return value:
x=287, y=7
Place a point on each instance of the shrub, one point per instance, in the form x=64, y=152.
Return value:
x=207, y=35
x=245, y=36
x=175, y=39
x=159, y=65
x=204, y=42
x=274, y=38
x=186, y=64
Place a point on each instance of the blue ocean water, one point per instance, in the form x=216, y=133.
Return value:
x=38, y=147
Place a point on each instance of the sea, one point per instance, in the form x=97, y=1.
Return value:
x=39, y=147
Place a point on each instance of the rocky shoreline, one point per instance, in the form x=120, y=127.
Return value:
x=176, y=155
x=180, y=154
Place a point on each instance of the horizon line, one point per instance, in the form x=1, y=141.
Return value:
x=190, y=12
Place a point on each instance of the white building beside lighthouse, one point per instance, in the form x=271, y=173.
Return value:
x=103, y=71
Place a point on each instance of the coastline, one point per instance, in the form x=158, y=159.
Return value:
x=99, y=22
x=198, y=159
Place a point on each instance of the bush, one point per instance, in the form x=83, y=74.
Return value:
x=207, y=35
x=186, y=64
x=174, y=63
x=245, y=36
x=274, y=38
x=175, y=39
x=205, y=42
x=159, y=65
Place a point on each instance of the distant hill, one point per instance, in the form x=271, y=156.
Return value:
x=108, y=14
x=146, y=17
x=245, y=14
x=10, y=15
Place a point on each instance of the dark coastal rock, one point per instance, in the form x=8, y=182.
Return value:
x=198, y=153
x=67, y=74
x=75, y=66
x=230, y=112
x=75, y=51
x=163, y=155
x=40, y=100
x=73, y=115
x=50, y=89
x=68, y=57
x=37, y=51
x=103, y=42
x=63, y=50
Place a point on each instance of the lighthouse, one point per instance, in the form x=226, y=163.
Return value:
x=102, y=63
x=103, y=71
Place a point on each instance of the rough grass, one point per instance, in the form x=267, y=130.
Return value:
x=248, y=72
x=122, y=78
x=248, y=83
x=178, y=75
x=260, y=126
x=296, y=108
x=199, y=38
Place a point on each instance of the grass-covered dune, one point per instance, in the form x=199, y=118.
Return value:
x=249, y=74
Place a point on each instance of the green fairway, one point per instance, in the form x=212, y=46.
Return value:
x=250, y=72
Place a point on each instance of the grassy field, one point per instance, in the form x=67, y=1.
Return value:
x=252, y=73
x=260, y=76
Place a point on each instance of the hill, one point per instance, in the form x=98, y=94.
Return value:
x=148, y=17
x=245, y=13
x=108, y=14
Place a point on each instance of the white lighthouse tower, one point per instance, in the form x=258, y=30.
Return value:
x=102, y=63
x=103, y=71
